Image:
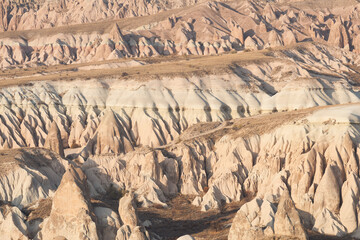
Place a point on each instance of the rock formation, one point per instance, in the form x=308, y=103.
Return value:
x=127, y=211
x=12, y=223
x=257, y=219
x=287, y=220
x=74, y=220
x=130, y=228
x=53, y=140
x=29, y=175
x=198, y=110
x=203, y=35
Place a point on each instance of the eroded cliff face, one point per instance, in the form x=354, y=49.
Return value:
x=306, y=161
x=28, y=175
x=114, y=115
x=312, y=159
x=208, y=28
x=17, y=15
x=255, y=108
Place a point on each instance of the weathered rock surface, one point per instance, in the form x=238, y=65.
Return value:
x=130, y=228
x=214, y=29
x=105, y=116
x=12, y=223
x=53, y=140
x=259, y=219
x=127, y=211
x=158, y=134
x=75, y=219
x=230, y=163
x=251, y=219
x=108, y=222
x=287, y=219
x=232, y=166
x=28, y=175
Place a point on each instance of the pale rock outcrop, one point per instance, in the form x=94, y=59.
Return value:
x=241, y=229
x=356, y=43
x=350, y=197
x=108, y=222
x=140, y=170
x=12, y=223
x=236, y=30
x=289, y=37
x=250, y=44
x=252, y=219
x=193, y=176
x=327, y=223
x=269, y=12
x=275, y=39
x=287, y=219
x=328, y=192
x=127, y=210
x=110, y=136
x=130, y=230
x=76, y=130
x=155, y=112
x=53, y=140
x=149, y=39
x=28, y=175
x=75, y=219
x=338, y=35
x=257, y=219
x=224, y=189
x=185, y=237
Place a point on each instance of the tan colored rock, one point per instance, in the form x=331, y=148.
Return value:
x=238, y=32
x=242, y=229
x=287, y=219
x=250, y=44
x=53, y=140
x=116, y=34
x=123, y=233
x=127, y=211
x=339, y=36
x=289, y=37
x=138, y=233
x=254, y=220
x=327, y=223
x=356, y=43
x=71, y=212
x=327, y=194
x=269, y=12
x=107, y=222
x=130, y=229
x=111, y=136
x=275, y=39
x=29, y=175
x=350, y=198
x=12, y=223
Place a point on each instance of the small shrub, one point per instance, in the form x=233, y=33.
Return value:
x=115, y=193
x=216, y=226
x=222, y=206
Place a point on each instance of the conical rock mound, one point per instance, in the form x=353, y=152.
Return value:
x=53, y=140
x=71, y=214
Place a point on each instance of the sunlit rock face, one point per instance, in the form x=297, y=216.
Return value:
x=239, y=118
x=110, y=116
x=207, y=28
